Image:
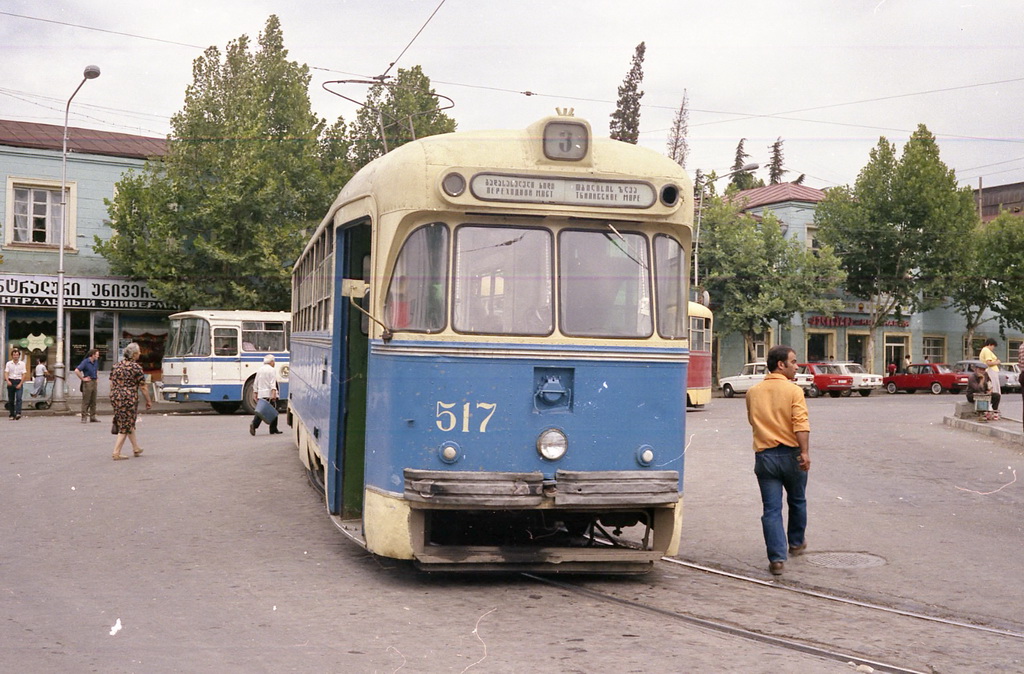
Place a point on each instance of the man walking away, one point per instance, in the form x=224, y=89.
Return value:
x=777, y=414
x=265, y=386
x=87, y=371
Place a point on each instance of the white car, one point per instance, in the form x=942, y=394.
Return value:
x=863, y=381
x=1012, y=371
x=751, y=374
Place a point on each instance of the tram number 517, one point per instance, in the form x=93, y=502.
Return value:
x=448, y=416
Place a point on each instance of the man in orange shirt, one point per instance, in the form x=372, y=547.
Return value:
x=777, y=414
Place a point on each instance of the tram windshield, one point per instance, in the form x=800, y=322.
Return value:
x=605, y=284
x=503, y=281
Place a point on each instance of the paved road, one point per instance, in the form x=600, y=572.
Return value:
x=212, y=553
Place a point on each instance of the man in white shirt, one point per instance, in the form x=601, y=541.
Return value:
x=265, y=387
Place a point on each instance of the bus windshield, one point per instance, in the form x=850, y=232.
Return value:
x=188, y=337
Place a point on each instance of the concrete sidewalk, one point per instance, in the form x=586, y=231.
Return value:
x=1007, y=428
x=103, y=408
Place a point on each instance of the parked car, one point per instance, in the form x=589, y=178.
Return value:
x=826, y=379
x=1013, y=378
x=751, y=374
x=863, y=381
x=1008, y=373
x=934, y=377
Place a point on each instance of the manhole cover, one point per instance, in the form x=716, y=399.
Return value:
x=843, y=560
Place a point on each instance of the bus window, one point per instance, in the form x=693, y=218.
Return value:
x=670, y=278
x=605, y=286
x=264, y=336
x=503, y=281
x=225, y=342
x=189, y=337
x=416, y=297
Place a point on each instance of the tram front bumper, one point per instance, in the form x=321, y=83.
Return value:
x=495, y=521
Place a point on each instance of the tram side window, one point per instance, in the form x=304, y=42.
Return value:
x=605, y=284
x=503, y=281
x=670, y=282
x=416, y=295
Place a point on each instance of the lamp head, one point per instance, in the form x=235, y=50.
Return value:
x=91, y=72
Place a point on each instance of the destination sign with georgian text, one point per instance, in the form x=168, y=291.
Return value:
x=563, y=191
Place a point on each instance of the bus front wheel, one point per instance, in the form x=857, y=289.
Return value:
x=249, y=396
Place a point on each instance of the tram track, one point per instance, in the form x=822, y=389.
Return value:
x=822, y=625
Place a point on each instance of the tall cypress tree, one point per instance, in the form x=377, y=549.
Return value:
x=775, y=164
x=678, y=146
x=625, y=124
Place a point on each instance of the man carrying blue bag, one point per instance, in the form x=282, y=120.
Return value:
x=265, y=387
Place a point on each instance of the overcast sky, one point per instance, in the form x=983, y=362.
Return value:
x=827, y=76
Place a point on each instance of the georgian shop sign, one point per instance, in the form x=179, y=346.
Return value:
x=851, y=322
x=32, y=290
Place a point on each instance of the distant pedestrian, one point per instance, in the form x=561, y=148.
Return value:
x=777, y=414
x=987, y=355
x=265, y=388
x=39, y=378
x=126, y=380
x=88, y=372
x=892, y=368
x=14, y=376
x=906, y=363
x=1020, y=365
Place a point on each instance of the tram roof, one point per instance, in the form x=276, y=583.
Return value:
x=509, y=150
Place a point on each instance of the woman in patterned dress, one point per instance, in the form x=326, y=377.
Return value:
x=126, y=380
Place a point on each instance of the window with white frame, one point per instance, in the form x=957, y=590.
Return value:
x=1013, y=345
x=34, y=213
x=934, y=349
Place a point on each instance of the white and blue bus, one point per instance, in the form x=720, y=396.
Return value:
x=212, y=356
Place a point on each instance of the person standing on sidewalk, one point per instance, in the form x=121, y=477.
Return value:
x=127, y=380
x=265, y=387
x=14, y=376
x=87, y=371
x=777, y=413
x=988, y=356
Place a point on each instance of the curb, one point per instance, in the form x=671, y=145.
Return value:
x=987, y=428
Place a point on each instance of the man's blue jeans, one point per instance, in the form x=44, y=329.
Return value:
x=777, y=469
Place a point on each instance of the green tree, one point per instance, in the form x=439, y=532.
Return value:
x=743, y=180
x=678, y=146
x=899, y=231
x=395, y=113
x=625, y=124
x=776, y=170
x=219, y=221
x=756, y=277
x=990, y=282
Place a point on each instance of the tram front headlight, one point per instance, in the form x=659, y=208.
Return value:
x=552, y=444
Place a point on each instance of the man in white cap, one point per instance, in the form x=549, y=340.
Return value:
x=265, y=386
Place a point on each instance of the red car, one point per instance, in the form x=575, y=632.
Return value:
x=827, y=379
x=934, y=377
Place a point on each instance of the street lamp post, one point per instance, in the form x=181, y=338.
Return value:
x=700, y=208
x=59, y=399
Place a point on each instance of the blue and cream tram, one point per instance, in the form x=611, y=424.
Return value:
x=489, y=353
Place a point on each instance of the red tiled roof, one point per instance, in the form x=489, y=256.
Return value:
x=81, y=141
x=777, y=194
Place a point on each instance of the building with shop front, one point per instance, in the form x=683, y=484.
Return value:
x=101, y=311
x=938, y=335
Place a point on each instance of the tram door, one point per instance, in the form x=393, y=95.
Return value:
x=344, y=468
